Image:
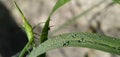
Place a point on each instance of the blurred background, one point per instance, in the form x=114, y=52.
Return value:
x=96, y=16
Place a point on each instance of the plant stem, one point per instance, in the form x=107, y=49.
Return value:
x=25, y=49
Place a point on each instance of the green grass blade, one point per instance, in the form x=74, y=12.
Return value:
x=26, y=24
x=58, y=5
x=72, y=20
x=44, y=34
x=88, y=40
x=28, y=30
x=116, y=1
x=46, y=28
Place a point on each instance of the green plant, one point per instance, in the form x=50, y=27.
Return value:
x=116, y=1
x=88, y=40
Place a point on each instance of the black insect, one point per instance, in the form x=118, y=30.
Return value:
x=66, y=43
x=118, y=48
x=74, y=35
x=79, y=41
x=82, y=40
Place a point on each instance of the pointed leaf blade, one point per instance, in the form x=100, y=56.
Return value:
x=26, y=24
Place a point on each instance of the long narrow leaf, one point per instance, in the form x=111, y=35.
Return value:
x=88, y=40
x=58, y=5
x=28, y=30
x=26, y=24
x=46, y=26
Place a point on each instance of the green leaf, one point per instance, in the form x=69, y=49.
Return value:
x=26, y=24
x=28, y=30
x=116, y=1
x=88, y=40
x=46, y=28
x=58, y=5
